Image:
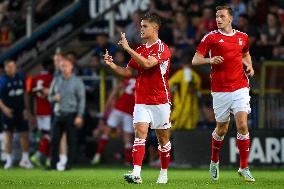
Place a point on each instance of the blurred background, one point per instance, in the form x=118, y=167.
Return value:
x=33, y=32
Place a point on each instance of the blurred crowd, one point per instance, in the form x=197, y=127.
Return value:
x=185, y=22
x=13, y=15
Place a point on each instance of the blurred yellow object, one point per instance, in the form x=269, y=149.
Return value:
x=185, y=85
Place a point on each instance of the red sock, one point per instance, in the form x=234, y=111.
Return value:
x=216, y=146
x=243, y=143
x=138, y=151
x=164, y=152
x=44, y=146
x=102, y=143
x=128, y=154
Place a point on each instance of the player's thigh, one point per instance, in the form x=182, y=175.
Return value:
x=127, y=123
x=114, y=118
x=222, y=102
x=43, y=122
x=241, y=101
x=160, y=116
x=141, y=114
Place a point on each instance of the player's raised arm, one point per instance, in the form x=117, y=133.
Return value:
x=146, y=63
x=125, y=72
x=199, y=59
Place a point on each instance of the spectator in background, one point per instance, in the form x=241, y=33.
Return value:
x=103, y=43
x=67, y=94
x=270, y=35
x=206, y=24
x=257, y=11
x=162, y=8
x=6, y=37
x=15, y=108
x=184, y=32
x=132, y=29
x=238, y=8
x=185, y=85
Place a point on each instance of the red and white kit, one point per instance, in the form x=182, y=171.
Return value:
x=123, y=108
x=152, y=96
x=229, y=82
x=43, y=108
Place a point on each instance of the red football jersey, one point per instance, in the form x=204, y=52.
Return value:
x=152, y=84
x=40, y=81
x=229, y=75
x=126, y=101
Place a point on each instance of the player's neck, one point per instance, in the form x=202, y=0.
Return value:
x=227, y=30
x=151, y=41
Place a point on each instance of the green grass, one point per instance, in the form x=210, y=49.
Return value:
x=108, y=177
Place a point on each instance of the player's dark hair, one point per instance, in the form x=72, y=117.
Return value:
x=8, y=61
x=152, y=18
x=225, y=7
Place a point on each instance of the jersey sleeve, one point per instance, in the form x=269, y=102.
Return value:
x=204, y=46
x=132, y=64
x=161, y=52
x=246, y=47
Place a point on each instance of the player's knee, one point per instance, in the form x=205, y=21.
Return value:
x=140, y=133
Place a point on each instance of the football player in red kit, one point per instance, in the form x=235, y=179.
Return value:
x=120, y=115
x=229, y=51
x=152, y=96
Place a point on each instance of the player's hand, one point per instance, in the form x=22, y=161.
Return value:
x=216, y=60
x=57, y=98
x=123, y=41
x=78, y=122
x=45, y=91
x=8, y=112
x=250, y=70
x=108, y=58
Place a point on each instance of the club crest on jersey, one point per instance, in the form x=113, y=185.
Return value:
x=240, y=41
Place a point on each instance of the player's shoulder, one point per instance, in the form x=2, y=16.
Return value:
x=241, y=33
x=210, y=35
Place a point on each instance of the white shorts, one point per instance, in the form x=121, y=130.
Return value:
x=43, y=122
x=158, y=116
x=225, y=103
x=117, y=118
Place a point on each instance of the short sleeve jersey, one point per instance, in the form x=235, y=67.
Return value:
x=152, y=84
x=126, y=101
x=40, y=81
x=12, y=91
x=229, y=75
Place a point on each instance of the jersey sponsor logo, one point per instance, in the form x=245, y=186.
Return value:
x=221, y=41
x=240, y=41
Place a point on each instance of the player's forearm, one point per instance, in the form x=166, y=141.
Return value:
x=144, y=62
x=247, y=60
x=120, y=70
x=197, y=60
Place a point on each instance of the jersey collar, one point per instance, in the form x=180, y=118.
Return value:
x=226, y=34
x=152, y=44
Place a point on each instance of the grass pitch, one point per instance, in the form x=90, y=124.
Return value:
x=111, y=177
